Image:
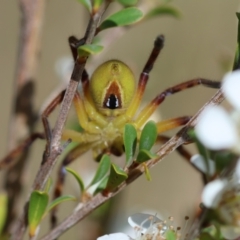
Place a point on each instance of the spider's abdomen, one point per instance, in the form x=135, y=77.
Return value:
x=112, y=87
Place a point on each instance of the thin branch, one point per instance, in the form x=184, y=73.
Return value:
x=50, y=160
x=23, y=115
x=96, y=201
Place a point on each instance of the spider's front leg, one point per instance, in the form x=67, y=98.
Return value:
x=143, y=79
x=152, y=106
x=13, y=155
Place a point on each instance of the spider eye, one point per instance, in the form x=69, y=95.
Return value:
x=112, y=86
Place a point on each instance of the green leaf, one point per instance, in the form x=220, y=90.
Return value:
x=88, y=49
x=236, y=64
x=130, y=142
x=128, y=3
x=170, y=235
x=87, y=4
x=59, y=200
x=147, y=173
x=116, y=177
x=148, y=136
x=163, y=10
x=124, y=17
x=78, y=178
x=223, y=159
x=3, y=210
x=145, y=155
x=102, y=185
x=102, y=170
x=37, y=205
x=97, y=4
x=48, y=185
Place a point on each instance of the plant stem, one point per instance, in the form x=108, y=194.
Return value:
x=50, y=159
x=180, y=138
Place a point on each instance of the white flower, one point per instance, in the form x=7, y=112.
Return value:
x=146, y=227
x=115, y=236
x=223, y=195
x=217, y=129
x=231, y=88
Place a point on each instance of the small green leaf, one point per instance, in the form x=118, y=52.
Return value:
x=128, y=3
x=116, y=177
x=102, y=170
x=87, y=4
x=145, y=155
x=37, y=205
x=147, y=173
x=170, y=235
x=130, y=141
x=88, y=49
x=236, y=64
x=163, y=10
x=102, y=185
x=97, y=4
x=78, y=178
x=48, y=185
x=3, y=210
x=59, y=200
x=124, y=17
x=148, y=136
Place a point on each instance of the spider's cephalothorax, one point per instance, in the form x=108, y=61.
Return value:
x=112, y=87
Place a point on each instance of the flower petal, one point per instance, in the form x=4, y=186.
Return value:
x=215, y=129
x=142, y=221
x=212, y=193
x=115, y=236
x=198, y=161
x=231, y=88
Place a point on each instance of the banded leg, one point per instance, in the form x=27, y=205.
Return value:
x=11, y=158
x=152, y=106
x=69, y=158
x=121, y=120
x=172, y=123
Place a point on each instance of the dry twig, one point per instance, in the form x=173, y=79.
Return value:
x=54, y=148
x=99, y=199
x=23, y=116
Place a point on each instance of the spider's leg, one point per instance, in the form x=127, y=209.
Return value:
x=172, y=123
x=133, y=107
x=152, y=106
x=12, y=157
x=69, y=158
x=83, y=117
x=79, y=137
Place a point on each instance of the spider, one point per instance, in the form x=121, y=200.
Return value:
x=109, y=100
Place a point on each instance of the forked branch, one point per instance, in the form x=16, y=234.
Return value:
x=180, y=138
x=55, y=147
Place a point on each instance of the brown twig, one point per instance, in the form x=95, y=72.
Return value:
x=50, y=160
x=23, y=116
x=96, y=201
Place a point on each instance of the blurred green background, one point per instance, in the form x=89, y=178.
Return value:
x=200, y=44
